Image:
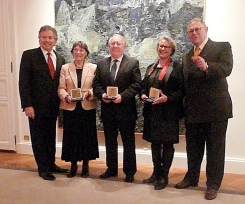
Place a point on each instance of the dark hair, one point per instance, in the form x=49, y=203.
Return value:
x=48, y=27
x=81, y=44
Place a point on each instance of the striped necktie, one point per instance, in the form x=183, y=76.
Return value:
x=113, y=69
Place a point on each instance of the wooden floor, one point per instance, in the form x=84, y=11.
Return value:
x=232, y=183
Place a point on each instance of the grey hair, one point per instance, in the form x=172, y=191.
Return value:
x=48, y=27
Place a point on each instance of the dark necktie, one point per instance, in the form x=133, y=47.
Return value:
x=51, y=65
x=113, y=70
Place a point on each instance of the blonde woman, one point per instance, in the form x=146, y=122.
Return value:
x=161, y=115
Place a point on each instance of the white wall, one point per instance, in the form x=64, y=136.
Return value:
x=225, y=21
x=29, y=16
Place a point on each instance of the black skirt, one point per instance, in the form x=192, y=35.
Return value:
x=80, y=140
x=158, y=127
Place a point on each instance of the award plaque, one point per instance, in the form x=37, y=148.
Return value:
x=154, y=94
x=112, y=91
x=76, y=95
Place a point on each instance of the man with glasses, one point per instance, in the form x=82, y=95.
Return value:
x=121, y=74
x=208, y=106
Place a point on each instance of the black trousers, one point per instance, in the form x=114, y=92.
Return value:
x=213, y=134
x=111, y=130
x=162, y=158
x=43, y=136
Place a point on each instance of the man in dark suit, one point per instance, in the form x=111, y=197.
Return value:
x=118, y=115
x=208, y=106
x=39, y=99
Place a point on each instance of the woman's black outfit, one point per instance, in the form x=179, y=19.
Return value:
x=80, y=135
x=161, y=121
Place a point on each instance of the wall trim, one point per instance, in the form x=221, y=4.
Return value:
x=232, y=165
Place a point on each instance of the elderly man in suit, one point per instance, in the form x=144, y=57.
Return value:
x=208, y=106
x=38, y=85
x=119, y=114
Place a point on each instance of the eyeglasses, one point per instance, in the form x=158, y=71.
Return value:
x=197, y=30
x=164, y=46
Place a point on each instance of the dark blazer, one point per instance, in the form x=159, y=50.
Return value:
x=128, y=81
x=37, y=88
x=161, y=121
x=207, y=96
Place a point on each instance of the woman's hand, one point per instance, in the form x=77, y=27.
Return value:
x=162, y=99
x=68, y=99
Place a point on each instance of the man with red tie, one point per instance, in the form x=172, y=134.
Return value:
x=38, y=85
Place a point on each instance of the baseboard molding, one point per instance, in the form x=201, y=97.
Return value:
x=232, y=165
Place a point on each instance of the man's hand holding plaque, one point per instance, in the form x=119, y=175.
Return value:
x=76, y=95
x=112, y=92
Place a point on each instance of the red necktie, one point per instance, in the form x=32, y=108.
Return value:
x=51, y=65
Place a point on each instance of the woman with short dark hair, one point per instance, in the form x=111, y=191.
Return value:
x=79, y=115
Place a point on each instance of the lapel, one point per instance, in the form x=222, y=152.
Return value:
x=122, y=67
x=85, y=72
x=186, y=60
x=73, y=74
x=107, y=65
x=58, y=61
x=207, y=48
x=45, y=64
x=188, y=63
x=170, y=69
x=41, y=59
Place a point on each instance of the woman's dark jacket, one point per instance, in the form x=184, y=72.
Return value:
x=161, y=121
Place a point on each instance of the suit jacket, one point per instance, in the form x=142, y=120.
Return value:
x=36, y=87
x=128, y=81
x=207, y=96
x=68, y=81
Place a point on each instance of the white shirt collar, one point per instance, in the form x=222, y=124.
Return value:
x=45, y=52
x=119, y=59
x=202, y=45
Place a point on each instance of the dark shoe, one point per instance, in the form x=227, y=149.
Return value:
x=47, y=176
x=185, y=184
x=57, y=169
x=85, y=172
x=108, y=174
x=210, y=194
x=160, y=184
x=129, y=178
x=72, y=171
x=152, y=179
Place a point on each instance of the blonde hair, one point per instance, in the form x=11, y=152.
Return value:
x=171, y=42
